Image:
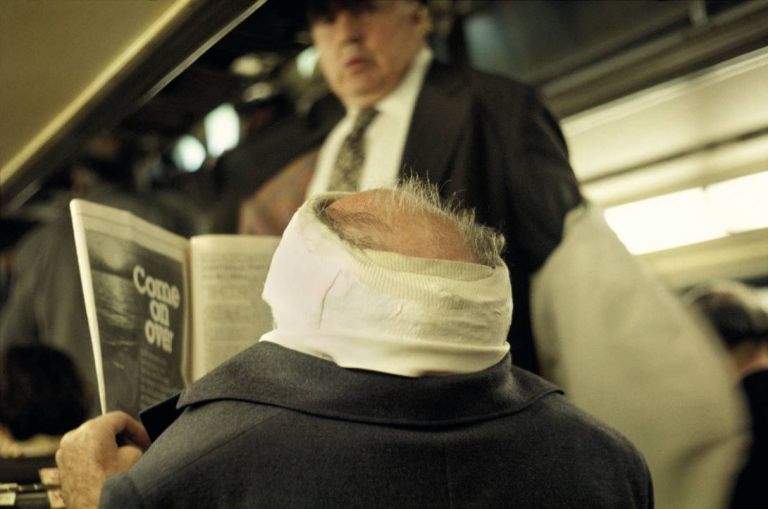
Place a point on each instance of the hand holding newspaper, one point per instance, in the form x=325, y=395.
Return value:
x=164, y=310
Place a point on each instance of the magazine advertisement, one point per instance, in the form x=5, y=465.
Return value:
x=136, y=291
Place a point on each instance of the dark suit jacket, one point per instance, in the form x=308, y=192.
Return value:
x=492, y=143
x=277, y=428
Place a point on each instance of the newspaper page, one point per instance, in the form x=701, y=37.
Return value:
x=134, y=277
x=228, y=273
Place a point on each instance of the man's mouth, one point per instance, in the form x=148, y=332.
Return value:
x=356, y=63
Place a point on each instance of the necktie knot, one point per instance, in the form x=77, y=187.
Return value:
x=365, y=117
x=349, y=162
x=363, y=120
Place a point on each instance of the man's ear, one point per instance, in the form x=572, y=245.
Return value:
x=422, y=19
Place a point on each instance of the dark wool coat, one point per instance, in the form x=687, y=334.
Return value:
x=277, y=428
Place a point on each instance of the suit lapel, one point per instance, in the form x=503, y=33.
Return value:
x=440, y=113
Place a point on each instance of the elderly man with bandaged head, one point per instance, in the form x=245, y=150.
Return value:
x=386, y=382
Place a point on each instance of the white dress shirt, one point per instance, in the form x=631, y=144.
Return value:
x=384, y=138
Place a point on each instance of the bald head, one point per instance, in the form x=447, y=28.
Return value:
x=377, y=219
x=412, y=221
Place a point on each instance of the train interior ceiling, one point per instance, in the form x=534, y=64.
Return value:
x=664, y=105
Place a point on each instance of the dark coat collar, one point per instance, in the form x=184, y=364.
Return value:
x=270, y=374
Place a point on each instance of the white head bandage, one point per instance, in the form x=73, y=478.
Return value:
x=382, y=311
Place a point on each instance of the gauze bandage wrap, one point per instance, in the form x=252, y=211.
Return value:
x=384, y=311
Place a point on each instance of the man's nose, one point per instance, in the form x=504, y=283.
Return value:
x=349, y=26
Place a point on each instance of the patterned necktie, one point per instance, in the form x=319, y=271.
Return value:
x=349, y=162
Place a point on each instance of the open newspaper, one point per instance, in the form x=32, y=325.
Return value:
x=164, y=310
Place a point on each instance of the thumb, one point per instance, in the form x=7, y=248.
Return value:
x=126, y=457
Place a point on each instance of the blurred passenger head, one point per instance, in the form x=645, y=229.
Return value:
x=41, y=392
x=367, y=46
x=104, y=160
x=737, y=314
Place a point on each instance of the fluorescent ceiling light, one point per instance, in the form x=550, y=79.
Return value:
x=188, y=153
x=741, y=203
x=222, y=129
x=666, y=221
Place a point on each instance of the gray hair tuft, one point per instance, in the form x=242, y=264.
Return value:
x=484, y=244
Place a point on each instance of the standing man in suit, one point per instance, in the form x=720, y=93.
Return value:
x=485, y=139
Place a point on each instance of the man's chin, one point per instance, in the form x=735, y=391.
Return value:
x=361, y=93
